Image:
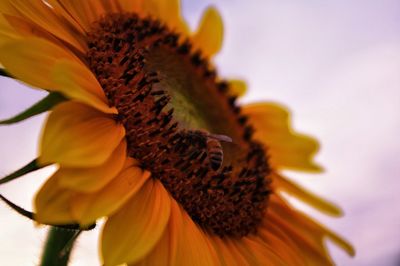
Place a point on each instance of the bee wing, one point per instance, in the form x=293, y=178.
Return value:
x=220, y=137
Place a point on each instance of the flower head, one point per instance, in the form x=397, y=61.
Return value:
x=149, y=137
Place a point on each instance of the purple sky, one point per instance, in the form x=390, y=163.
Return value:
x=335, y=63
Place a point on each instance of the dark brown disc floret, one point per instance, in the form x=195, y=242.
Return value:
x=181, y=124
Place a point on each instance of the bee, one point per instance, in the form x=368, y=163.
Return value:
x=213, y=146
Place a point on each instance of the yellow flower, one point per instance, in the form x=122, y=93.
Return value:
x=154, y=141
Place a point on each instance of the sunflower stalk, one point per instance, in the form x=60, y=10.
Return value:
x=58, y=246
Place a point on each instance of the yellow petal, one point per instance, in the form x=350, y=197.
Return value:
x=88, y=207
x=168, y=11
x=32, y=59
x=93, y=179
x=286, y=148
x=133, y=231
x=76, y=81
x=40, y=14
x=49, y=66
x=237, y=87
x=76, y=135
x=52, y=203
x=283, y=184
x=209, y=35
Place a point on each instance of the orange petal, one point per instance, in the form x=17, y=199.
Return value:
x=76, y=81
x=33, y=65
x=76, y=135
x=7, y=33
x=283, y=184
x=134, y=230
x=84, y=12
x=194, y=249
x=25, y=29
x=283, y=250
x=131, y=6
x=39, y=13
x=52, y=203
x=165, y=251
x=258, y=252
x=6, y=7
x=93, y=179
x=309, y=242
x=286, y=148
x=228, y=254
x=66, y=17
x=209, y=35
x=274, y=236
x=306, y=233
x=88, y=207
x=111, y=6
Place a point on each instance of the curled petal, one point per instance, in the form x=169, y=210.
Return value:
x=283, y=184
x=76, y=81
x=93, y=179
x=52, y=203
x=286, y=148
x=76, y=135
x=88, y=207
x=34, y=65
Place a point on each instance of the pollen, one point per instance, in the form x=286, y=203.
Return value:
x=181, y=124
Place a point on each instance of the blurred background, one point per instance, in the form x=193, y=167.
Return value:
x=335, y=63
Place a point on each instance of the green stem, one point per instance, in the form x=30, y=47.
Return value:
x=58, y=246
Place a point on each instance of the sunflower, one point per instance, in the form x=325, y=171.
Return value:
x=146, y=135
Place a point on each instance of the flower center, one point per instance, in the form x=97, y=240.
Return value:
x=180, y=122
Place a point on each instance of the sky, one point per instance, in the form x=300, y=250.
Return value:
x=334, y=63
